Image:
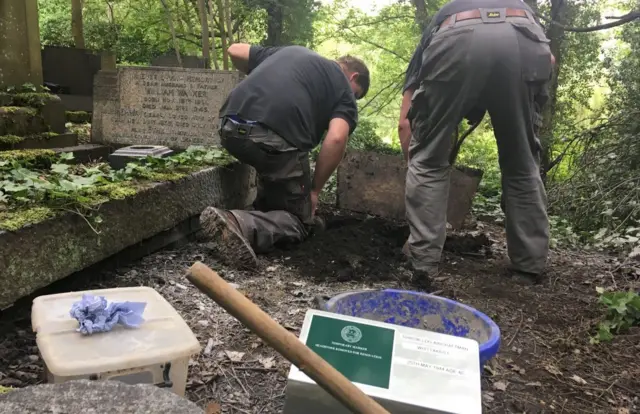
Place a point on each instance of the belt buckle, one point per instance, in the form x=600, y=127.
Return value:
x=493, y=15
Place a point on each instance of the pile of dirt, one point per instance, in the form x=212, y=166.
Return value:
x=545, y=363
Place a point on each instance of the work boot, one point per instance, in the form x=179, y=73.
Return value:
x=422, y=277
x=525, y=278
x=222, y=227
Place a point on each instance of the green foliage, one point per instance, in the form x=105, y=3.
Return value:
x=9, y=140
x=80, y=188
x=78, y=117
x=623, y=312
x=34, y=99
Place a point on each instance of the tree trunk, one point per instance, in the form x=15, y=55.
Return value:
x=556, y=36
x=422, y=19
x=214, y=49
x=76, y=24
x=204, y=33
x=223, y=35
x=173, y=31
x=274, y=23
x=227, y=7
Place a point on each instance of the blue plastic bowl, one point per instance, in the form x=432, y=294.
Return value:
x=411, y=309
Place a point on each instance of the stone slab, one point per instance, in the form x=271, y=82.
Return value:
x=76, y=102
x=374, y=183
x=37, y=255
x=174, y=107
x=71, y=68
x=85, y=153
x=85, y=397
x=20, y=60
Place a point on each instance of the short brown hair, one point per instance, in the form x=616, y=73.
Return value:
x=353, y=64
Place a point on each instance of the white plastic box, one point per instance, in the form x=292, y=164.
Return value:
x=408, y=371
x=157, y=352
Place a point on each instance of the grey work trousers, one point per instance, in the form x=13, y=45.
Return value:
x=502, y=67
x=282, y=212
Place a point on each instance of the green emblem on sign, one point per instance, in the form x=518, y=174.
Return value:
x=361, y=352
x=351, y=334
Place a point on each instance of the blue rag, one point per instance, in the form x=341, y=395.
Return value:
x=94, y=315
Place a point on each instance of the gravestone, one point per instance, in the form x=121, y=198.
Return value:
x=20, y=60
x=174, y=107
x=71, y=68
x=80, y=397
x=169, y=59
x=374, y=183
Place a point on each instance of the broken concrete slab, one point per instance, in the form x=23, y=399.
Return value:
x=173, y=107
x=374, y=183
x=34, y=256
x=83, y=396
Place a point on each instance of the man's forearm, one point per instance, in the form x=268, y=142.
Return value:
x=404, y=126
x=328, y=160
x=239, y=54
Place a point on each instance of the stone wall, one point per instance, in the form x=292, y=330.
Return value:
x=37, y=255
x=174, y=107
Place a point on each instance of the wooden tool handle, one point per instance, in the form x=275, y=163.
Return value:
x=282, y=340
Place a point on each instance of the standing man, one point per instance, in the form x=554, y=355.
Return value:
x=477, y=56
x=271, y=121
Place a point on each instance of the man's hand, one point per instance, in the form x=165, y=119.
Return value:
x=314, y=202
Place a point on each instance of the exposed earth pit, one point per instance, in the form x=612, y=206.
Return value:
x=545, y=363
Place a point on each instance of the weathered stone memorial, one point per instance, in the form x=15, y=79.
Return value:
x=174, y=107
x=80, y=397
x=20, y=60
x=374, y=183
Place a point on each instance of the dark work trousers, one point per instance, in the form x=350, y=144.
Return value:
x=501, y=65
x=282, y=212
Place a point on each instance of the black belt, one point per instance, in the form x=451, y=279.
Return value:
x=244, y=128
x=476, y=14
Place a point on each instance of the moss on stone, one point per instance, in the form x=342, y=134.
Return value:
x=43, y=135
x=34, y=158
x=8, y=140
x=8, y=110
x=4, y=390
x=34, y=99
x=78, y=117
x=14, y=220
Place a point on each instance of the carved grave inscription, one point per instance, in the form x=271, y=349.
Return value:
x=163, y=106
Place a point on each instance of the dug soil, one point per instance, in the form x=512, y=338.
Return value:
x=546, y=362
